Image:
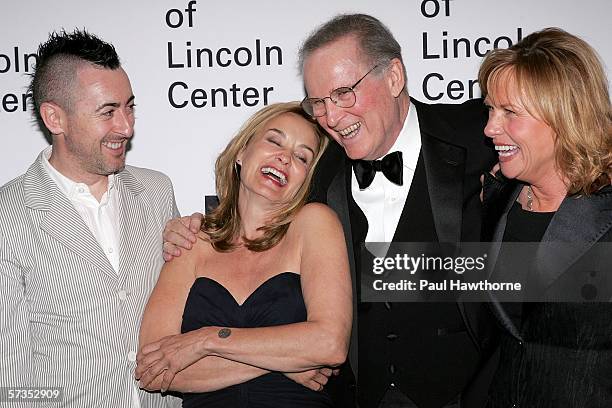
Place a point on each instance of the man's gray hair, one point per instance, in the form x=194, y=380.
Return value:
x=374, y=38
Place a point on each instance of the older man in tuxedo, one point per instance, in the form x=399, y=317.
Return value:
x=80, y=238
x=431, y=156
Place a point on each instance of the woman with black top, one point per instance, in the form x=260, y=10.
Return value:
x=550, y=121
x=256, y=313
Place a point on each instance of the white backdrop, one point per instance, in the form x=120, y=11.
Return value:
x=183, y=142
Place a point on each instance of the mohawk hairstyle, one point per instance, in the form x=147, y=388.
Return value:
x=58, y=59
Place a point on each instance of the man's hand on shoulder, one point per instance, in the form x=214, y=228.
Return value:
x=487, y=178
x=181, y=233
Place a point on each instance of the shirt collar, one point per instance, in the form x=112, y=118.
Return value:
x=409, y=140
x=67, y=186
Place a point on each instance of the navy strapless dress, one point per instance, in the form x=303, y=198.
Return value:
x=277, y=301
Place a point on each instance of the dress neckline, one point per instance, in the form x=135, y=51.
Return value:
x=257, y=289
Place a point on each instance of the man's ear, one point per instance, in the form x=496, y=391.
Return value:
x=53, y=116
x=395, y=77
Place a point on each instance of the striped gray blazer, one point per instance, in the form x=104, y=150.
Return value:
x=67, y=319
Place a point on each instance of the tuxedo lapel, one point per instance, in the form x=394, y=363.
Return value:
x=585, y=220
x=444, y=169
x=500, y=228
x=337, y=195
x=338, y=198
x=495, y=306
x=61, y=220
x=132, y=220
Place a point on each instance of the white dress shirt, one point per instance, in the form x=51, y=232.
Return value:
x=101, y=217
x=383, y=201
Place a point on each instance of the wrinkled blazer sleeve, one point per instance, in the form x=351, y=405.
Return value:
x=15, y=350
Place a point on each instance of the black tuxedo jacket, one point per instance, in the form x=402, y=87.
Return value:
x=437, y=358
x=561, y=351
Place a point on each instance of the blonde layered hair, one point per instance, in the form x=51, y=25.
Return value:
x=561, y=82
x=222, y=225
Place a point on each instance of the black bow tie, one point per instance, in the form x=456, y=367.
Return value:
x=390, y=165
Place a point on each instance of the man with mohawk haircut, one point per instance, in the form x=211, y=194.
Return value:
x=80, y=234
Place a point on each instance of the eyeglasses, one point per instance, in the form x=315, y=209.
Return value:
x=343, y=97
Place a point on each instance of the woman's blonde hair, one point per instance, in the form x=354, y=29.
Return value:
x=222, y=225
x=561, y=81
